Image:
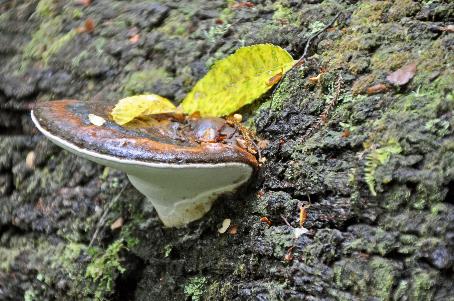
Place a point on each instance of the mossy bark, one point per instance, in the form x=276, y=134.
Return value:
x=377, y=171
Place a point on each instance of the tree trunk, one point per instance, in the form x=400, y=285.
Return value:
x=370, y=160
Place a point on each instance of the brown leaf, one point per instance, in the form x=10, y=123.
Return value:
x=378, y=88
x=402, y=75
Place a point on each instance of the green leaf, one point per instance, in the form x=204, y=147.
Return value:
x=238, y=80
x=140, y=105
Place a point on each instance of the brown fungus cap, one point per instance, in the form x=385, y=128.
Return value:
x=163, y=139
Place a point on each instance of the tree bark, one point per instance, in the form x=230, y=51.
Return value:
x=368, y=159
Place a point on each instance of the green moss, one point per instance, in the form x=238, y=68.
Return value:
x=75, y=13
x=47, y=40
x=350, y=275
x=390, y=61
x=383, y=278
x=46, y=8
x=284, y=14
x=379, y=242
x=138, y=82
x=104, y=268
x=376, y=158
x=403, y=8
x=176, y=24
x=7, y=257
x=280, y=239
x=422, y=284
x=30, y=295
x=369, y=13
x=216, y=32
x=195, y=287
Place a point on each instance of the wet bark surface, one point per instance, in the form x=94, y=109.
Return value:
x=372, y=161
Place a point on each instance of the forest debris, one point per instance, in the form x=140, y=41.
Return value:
x=84, y=3
x=289, y=256
x=262, y=144
x=378, y=88
x=447, y=28
x=274, y=79
x=30, y=160
x=238, y=117
x=264, y=219
x=233, y=230
x=225, y=225
x=135, y=38
x=345, y=133
x=314, y=79
x=118, y=223
x=89, y=26
x=303, y=214
x=402, y=75
x=324, y=116
x=96, y=120
x=297, y=232
x=246, y=4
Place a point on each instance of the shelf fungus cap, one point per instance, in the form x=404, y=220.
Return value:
x=180, y=163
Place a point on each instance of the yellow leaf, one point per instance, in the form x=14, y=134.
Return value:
x=238, y=80
x=140, y=105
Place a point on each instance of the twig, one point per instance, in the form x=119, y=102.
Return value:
x=103, y=218
x=300, y=60
x=286, y=221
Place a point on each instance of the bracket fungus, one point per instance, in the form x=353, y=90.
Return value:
x=180, y=163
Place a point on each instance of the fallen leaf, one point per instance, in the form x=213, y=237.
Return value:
x=96, y=120
x=225, y=225
x=402, y=75
x=378, y=88
x=237, y=80
x=140, y=105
